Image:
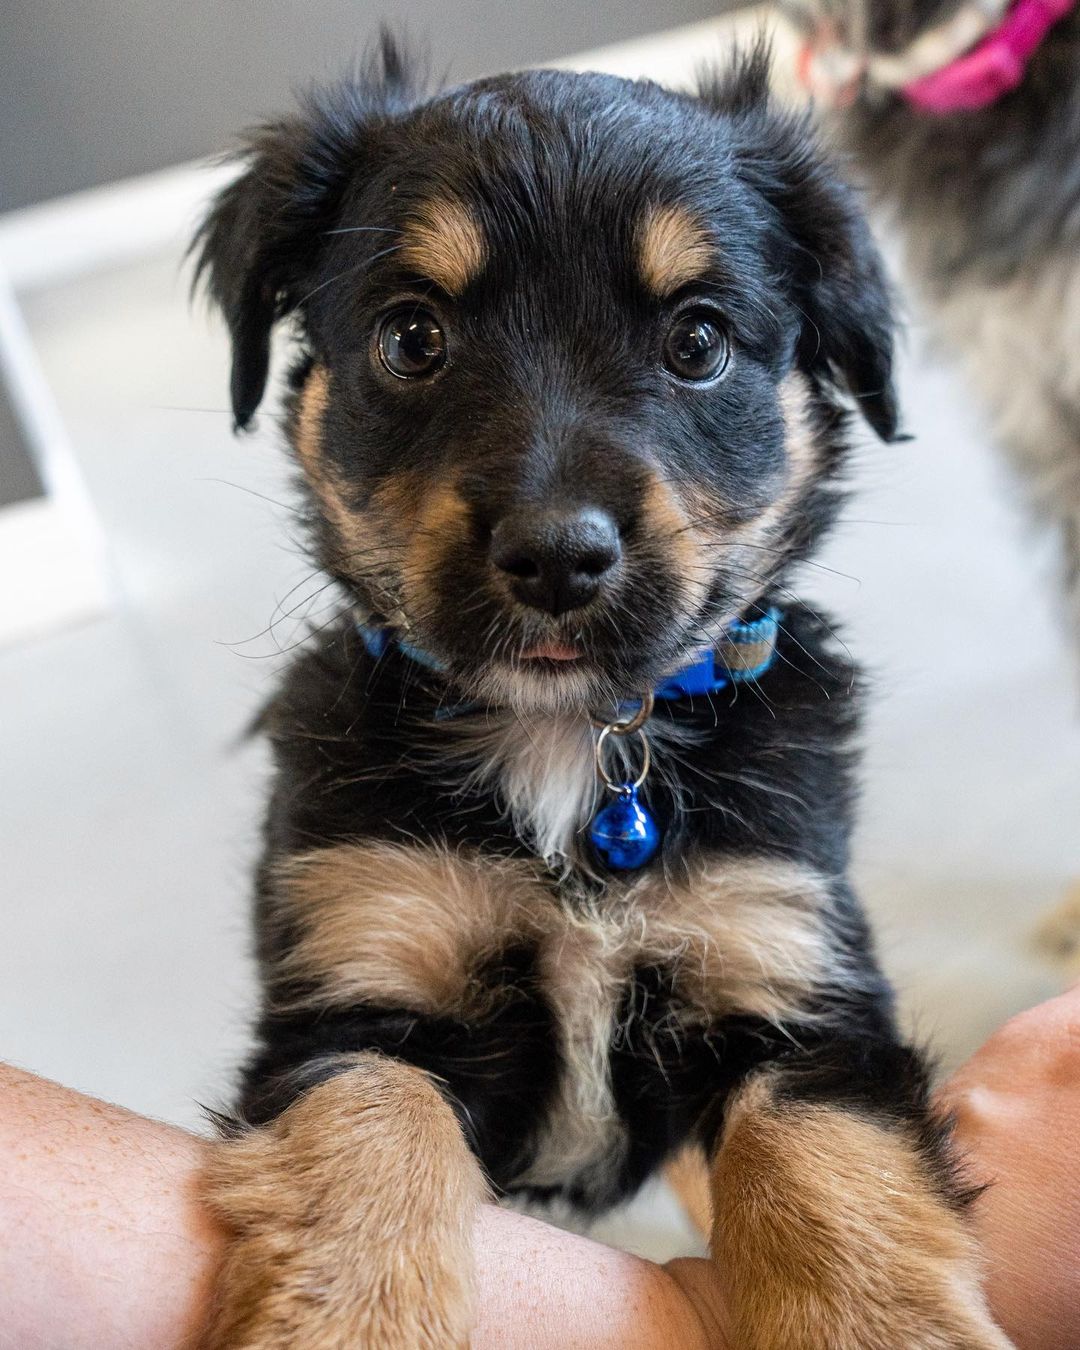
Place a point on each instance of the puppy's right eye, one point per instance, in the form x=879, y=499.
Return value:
x=696, y=347
x=412, y=343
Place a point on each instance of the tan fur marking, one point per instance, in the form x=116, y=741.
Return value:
x=443, y=242
x=802, y=454
x=742, y=935
x=366, y=540
x=688, y=1176
x=351, y=1219
x=828, y=1234
x=441, y=522
x=697, y=534
x=413, y=926
x=584, y=966
x=347, y=524
x=314, y=400
x=398, y=498
x=308, y=440
x=800, y=443
x=747, y=546
x=405, y=925
x=673, y=250
x=686, y=545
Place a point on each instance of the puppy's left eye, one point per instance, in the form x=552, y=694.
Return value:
x=696, y=347
x=412, y=343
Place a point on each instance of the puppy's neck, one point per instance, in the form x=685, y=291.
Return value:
x=542, y=771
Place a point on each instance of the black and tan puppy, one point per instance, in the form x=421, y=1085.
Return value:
x=569, y=408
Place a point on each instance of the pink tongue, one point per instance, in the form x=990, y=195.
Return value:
x=550, y=651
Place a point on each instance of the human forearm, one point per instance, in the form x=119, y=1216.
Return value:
x=105, y=1243
x=106, y=1246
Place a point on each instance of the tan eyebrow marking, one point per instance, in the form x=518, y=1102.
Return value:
x=673, y=249
x=443, y=242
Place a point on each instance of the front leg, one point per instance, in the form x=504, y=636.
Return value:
x=350, y=1218
x=350, y=1194
x=839, y=1220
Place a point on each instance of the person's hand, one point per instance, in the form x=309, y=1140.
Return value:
x=1017, y=1109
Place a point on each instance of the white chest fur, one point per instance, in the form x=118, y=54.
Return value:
x=542, y=771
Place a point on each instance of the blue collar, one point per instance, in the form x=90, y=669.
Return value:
x=745, y=652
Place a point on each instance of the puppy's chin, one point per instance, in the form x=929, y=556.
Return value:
x=594, y=682
x=590, y=685
x=539, y=686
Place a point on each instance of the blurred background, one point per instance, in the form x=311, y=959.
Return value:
x=150, y=583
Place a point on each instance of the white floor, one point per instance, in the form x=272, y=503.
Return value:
x=128, y=817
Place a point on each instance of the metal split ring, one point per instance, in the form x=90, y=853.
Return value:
x=626, y=726
x=613, y=785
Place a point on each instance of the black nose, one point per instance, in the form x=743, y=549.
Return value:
x=557, y=557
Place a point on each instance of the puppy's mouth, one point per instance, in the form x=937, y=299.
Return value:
x=583, y=670
x=567, y=667
x=509, y=656
x=552, y=652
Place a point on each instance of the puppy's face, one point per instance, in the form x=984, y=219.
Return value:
x=564, y=411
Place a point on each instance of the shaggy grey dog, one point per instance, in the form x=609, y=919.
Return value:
x=989, y=201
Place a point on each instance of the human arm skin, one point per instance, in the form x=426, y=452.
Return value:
x=1017, y=1109
x=104, y=1246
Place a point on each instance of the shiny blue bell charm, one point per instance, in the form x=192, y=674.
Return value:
x=624, y=834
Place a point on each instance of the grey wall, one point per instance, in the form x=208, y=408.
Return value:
x=18, y=476
x=93, y=90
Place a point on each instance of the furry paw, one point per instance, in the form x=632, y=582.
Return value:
x=351, y=1220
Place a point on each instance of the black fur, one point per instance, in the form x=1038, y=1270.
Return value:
x=266, y=235
x=555, y=390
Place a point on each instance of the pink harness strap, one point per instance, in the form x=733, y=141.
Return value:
x=992, y=68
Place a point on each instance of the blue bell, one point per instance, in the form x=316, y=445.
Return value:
x=624, y=834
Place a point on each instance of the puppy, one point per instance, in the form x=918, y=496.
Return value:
x=966, y=119
x=572, y=398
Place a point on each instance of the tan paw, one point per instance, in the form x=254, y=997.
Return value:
x=351, y=1219
x=830, y=1234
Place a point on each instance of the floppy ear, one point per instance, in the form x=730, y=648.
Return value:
x=821, y=242
x=837, y=280
x=258, y=247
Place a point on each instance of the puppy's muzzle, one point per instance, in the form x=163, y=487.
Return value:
x=557, y=559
